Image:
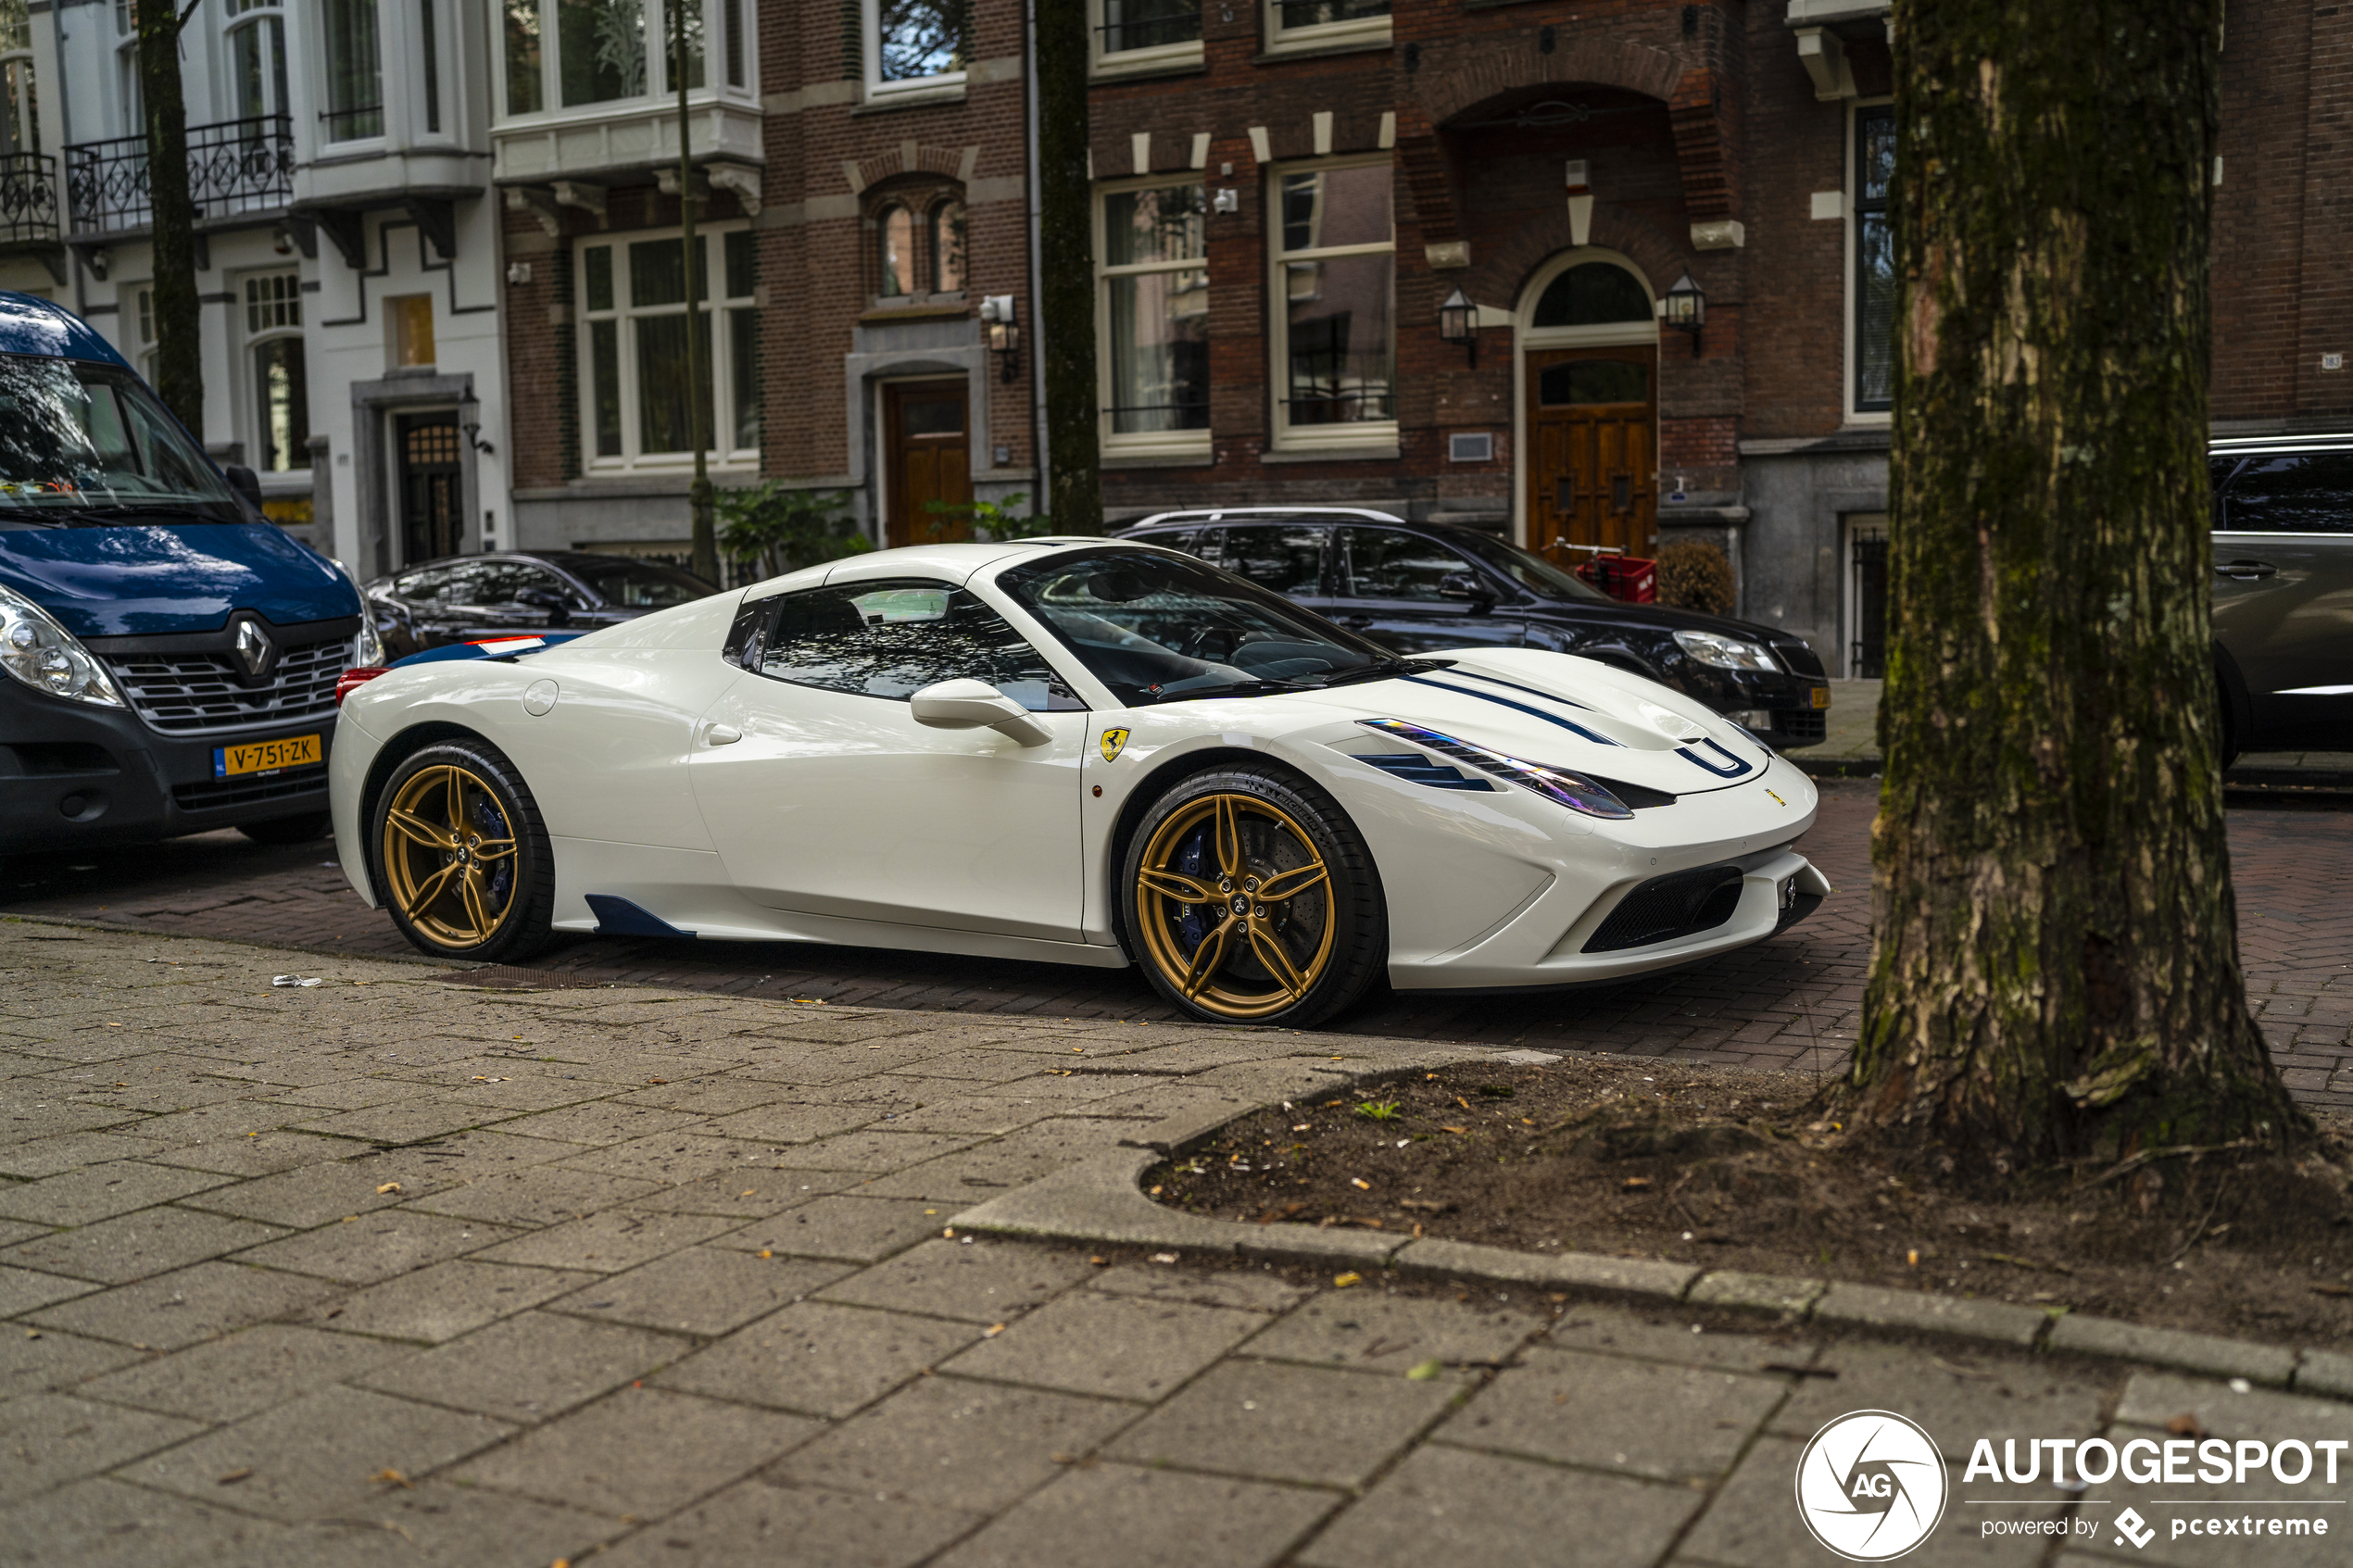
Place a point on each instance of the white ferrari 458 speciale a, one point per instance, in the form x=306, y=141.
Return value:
x=1072, y=751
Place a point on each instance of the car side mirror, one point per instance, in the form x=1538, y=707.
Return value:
x=976, y=705
x=243, y=481
x=558, y=611
x=1464, y=585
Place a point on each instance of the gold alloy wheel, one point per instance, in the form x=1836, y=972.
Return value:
x=1234, y=905
x=449, y=856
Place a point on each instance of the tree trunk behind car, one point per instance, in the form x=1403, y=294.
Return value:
x=2056, y=970
x=179, y=348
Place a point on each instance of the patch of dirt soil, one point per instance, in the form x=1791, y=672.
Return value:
x=1737, y=1169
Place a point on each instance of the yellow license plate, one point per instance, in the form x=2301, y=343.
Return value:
x=1821, y=696
x=266, y=755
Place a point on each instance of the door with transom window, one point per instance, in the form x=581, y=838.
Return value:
x=926, y=430
x=1592, y=451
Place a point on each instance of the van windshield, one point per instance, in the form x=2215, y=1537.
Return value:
x=88, y=445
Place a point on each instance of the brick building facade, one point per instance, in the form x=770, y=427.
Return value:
x=1564, y=164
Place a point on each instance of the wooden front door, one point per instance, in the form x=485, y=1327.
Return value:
x=926, y=427
x=1592, y=451
x=431, y=474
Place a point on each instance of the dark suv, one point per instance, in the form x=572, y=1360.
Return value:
x=2283, y=591
x=1417, y=586
x=464, y=598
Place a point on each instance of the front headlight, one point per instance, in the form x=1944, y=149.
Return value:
x=1559, y=785
x=46, y=656
x=1725, y=653
x=369, y=651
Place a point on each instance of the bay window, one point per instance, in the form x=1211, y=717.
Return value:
x=635, y=318
x=1153, y=306
x=354, y=78
x=580, y=53
x=1334, y=292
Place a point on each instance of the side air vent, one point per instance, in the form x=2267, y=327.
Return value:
x=1667, y=908
x=1414, y=768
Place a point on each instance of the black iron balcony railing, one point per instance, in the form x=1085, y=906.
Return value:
x=28, y=198
x=234, y=166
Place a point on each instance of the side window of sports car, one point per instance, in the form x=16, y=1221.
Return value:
x=1282, y=561
x=1384, y=563
x=892, y=638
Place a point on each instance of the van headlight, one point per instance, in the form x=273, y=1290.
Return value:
x=1725, y=653
x=46, y=656
x=368, y=650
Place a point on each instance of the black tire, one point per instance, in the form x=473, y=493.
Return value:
x=2230, y=734
x=1187, y=882
x=308, y=828
x=485, y=894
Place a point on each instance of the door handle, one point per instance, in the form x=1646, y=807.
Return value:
x=2248, y=570
x=722, y=734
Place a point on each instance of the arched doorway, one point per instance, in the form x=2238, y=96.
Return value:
x=1588, y=392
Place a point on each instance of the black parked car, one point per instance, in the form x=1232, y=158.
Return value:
x=465, y=598
x=2283, y=591
x=1417, y=587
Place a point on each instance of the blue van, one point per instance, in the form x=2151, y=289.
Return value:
x=171, y=657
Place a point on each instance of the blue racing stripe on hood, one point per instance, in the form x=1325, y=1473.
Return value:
x=1462, y=674
x=1570, y=725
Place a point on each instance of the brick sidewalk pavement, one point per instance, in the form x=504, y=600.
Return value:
x=1790, y=1003
x=387, y=1273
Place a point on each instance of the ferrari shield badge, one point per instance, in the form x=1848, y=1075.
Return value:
x=1113, y=740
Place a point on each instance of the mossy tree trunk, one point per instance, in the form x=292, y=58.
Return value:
x=2056, y=970
x=179, y=342
x=1066, y=268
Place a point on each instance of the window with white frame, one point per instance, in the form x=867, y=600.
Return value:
x=581, y=54
x=355, y=111
x=256, y=56
x=1314, y=24
x=281, y=386
x=20, y=112
x=1140, y=35
x=1151, y=303
x=915, y=45
x=634, y=317
x=1871, y=289
x=1335, y=287
x=128, y=96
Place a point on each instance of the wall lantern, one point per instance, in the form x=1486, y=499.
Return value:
x=470, y=422
x=1004, y=334
x=1458, y=322
x=1685, y=309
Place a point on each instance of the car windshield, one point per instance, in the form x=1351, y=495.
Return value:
x=88, y=445
x=1529, y=570
x=638, y=585
x=1153, y=627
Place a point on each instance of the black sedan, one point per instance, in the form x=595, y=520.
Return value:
x=465, y=598
x=1416, y=587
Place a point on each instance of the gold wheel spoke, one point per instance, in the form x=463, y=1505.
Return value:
x=409, y=826
x=469, y=888
x=1205, y=960
x=1228, y=829
x=1269, y=948
x=1291, y=883
x=457, y=806
x=493, y=849
x=1176, y=886
x=428, y=890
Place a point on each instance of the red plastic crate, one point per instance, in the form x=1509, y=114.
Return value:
x=1629, y=578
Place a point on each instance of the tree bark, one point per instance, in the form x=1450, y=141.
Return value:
x=179, y=340
x=2056, y=970
x=1066, y=267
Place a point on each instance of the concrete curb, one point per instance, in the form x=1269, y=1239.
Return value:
x=1098, y=1200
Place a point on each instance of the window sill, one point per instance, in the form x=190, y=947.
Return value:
x=1170, y=59
x=1167, y=458
x=879, y=101
x=1315, y=45
x=885, y=315
x=1368, y=452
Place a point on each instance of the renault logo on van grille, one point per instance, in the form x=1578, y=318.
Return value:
x=255, y=650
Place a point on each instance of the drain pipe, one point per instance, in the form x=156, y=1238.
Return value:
x=1041, y=457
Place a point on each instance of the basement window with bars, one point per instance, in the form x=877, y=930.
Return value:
x=634, y=320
